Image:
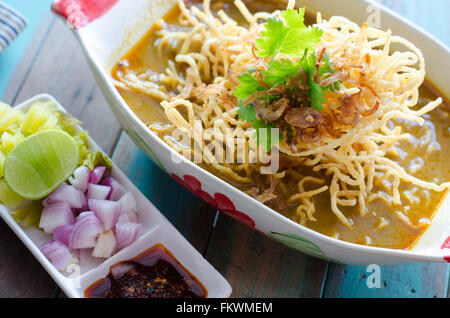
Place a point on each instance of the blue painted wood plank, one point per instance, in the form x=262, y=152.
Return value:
x=258, y=266
x=394, y=281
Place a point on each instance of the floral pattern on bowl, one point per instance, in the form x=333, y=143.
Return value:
x=219, y=201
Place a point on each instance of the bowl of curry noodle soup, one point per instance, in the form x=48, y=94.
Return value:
x=324, y=125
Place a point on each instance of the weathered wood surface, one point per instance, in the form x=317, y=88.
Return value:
x=255, y=265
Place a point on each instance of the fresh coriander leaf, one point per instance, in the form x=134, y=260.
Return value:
x=290, y=37
x=260, y=123
x=248, y=86
x=247, y=113
x=269, y=99
x=272, y=39
x=326, y=68
x=307, y=63
x=268, y=142
x=279, y=72
x=290, y=133
x=294, y=19
x=307, y=39
x=315, y=90
x=317, y=96
x=335, y=86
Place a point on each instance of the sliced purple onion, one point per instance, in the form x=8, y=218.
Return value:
x=118, y=270
x=45, y=202
x=76, y=252
x=84, y=208
x=84, y=214
x=107, y=211
x=58, y=254
x=85, y=231
x=128, y=207
x=80, y=178
x=97, y=174
x=62, y=233
x=97, y=191
x=117, y=190
x=123, y=218
x=105, y=246
x=126, y=233
x=55, y=215
x=133, y=217
x=69, y=194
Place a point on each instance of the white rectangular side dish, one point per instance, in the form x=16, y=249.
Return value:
x=156, y=229
x=122, y=23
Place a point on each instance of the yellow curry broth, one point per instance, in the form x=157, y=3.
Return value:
x=384, y=225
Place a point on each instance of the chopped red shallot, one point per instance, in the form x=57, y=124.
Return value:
x=107, y=211
x=56, y=215
x=126, y=233
x=118, y=270
x=97, y=191
x=62, y=233
x=69, y=194
x=85, y=231
x=128, y=206
x=105, y=246
x=123, y=218
x=45, y=202
x=58, y=254
x=96, y=175
x=117, y=190
x=80, y=178
x=107, y=222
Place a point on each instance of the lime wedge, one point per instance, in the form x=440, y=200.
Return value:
x=40, y=163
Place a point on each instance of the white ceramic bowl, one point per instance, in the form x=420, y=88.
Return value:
x=105, y=36
x=156, y=229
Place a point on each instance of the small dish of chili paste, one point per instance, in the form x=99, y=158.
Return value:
x=155, y=273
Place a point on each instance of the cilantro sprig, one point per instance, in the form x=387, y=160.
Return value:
x=279, y=72
x=248, y=114
x=291, y=38
x=288, y=36
x=248, y=86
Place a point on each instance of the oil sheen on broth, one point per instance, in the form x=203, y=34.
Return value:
x=397, y=227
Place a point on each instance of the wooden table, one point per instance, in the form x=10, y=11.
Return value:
x=255, y=265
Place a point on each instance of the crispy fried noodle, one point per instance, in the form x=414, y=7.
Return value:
x=212, y=51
